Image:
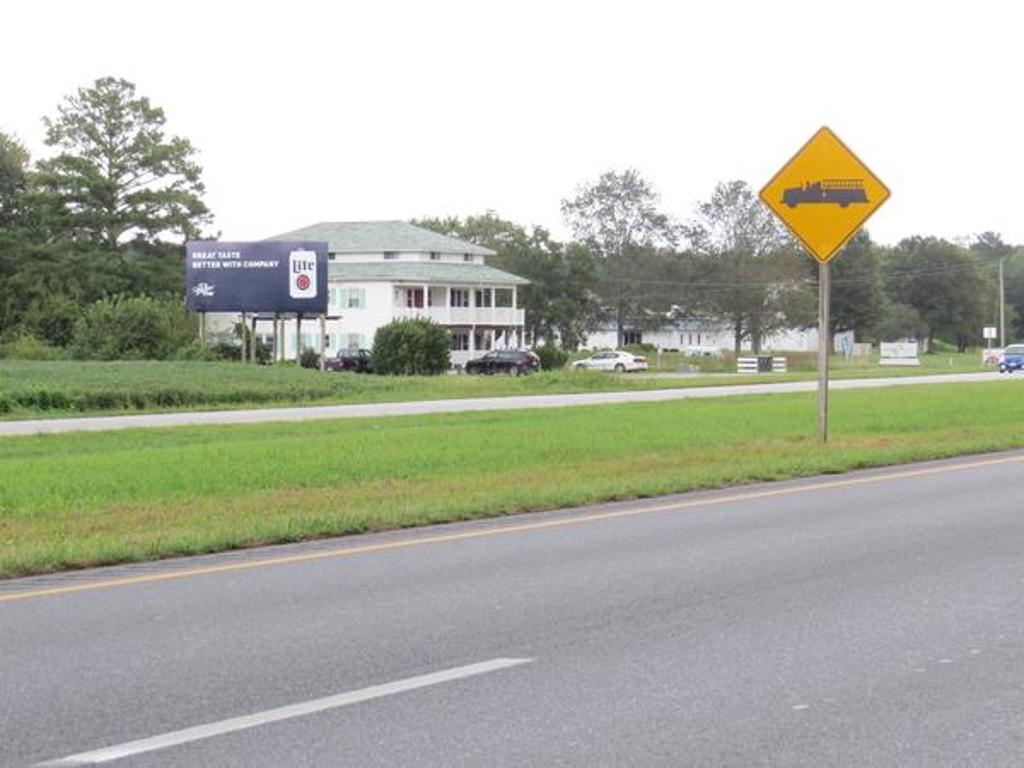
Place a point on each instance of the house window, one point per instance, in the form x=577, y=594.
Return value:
x=414, y=298
x=467, y=257
x=390, y=255
x=460, y=341
x=347, y=298
x=353, y=340
x=503, y=297
x=483, y=297
x=632, y=337
x=435, y=256
x=460, y=297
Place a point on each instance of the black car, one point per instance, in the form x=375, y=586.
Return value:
x=358, y=360
x=512, y=361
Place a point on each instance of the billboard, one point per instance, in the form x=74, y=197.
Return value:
x=267, y=276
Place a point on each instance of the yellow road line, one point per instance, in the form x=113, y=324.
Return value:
x=504, y=529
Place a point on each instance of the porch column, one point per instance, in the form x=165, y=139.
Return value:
x=323, y=339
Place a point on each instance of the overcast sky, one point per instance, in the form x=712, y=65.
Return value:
x=306, y=112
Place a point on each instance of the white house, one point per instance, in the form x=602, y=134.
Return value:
x=379, y=271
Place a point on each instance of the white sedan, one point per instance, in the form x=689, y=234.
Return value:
x=617, y=361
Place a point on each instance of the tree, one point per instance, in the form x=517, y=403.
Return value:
x=618, y=219
x=857, y=300
x=100, y=217
x=993, y=252
x=747, y=271
x=13, y=177
x=14, y=241
x=117, y=175
x=945, y=283
x=560, y=299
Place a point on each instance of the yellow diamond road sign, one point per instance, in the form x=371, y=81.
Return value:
x=824, y=194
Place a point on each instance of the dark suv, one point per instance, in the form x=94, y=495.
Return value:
x=357, y=360
x=512, y=361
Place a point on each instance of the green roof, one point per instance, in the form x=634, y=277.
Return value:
x=422, y=271
x=380, y=236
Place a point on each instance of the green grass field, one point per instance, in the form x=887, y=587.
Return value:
x=33, y=389
x=90, y=498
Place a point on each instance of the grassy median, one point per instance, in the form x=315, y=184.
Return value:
x=46, y=389
x=91, y=498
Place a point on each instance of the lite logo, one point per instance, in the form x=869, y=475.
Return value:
x=302, y=274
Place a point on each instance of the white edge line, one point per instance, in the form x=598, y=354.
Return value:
x=196, y=733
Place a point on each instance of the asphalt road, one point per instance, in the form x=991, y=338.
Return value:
x=871, y=619
x=307, y=413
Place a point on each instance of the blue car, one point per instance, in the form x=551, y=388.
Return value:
x=1013, y=359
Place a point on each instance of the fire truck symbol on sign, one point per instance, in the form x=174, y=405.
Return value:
x=841, y=192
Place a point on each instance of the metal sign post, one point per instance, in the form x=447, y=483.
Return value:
x=824, y=194
x=823, y=339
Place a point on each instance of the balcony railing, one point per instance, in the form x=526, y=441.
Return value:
x=465, y=315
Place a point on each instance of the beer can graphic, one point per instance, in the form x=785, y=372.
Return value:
x=302, y=274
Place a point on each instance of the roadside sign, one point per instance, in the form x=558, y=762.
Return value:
x=824, y=194
x=264, y=276
x=991, y=332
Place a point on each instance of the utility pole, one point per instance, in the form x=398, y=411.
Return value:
x=1002, y=306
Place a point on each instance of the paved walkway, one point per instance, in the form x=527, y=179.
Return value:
x=311, y=413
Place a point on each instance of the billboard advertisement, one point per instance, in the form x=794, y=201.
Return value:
x=266, y=276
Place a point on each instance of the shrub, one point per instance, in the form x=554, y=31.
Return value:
x=309, y=358
x=641, y=349
x=52, y=319
x=552, y=357
x=133, y=328
x=196, y=351
x=410, y=348
x=25, y=346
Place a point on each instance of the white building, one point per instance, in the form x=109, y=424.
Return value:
x=683, y=334
x=379, y=271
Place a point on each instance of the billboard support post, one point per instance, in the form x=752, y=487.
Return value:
x=202, y=330
x=277, y=337
x=298, y=338
x=323, y=341
x=252, y=349
x=245, y=341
